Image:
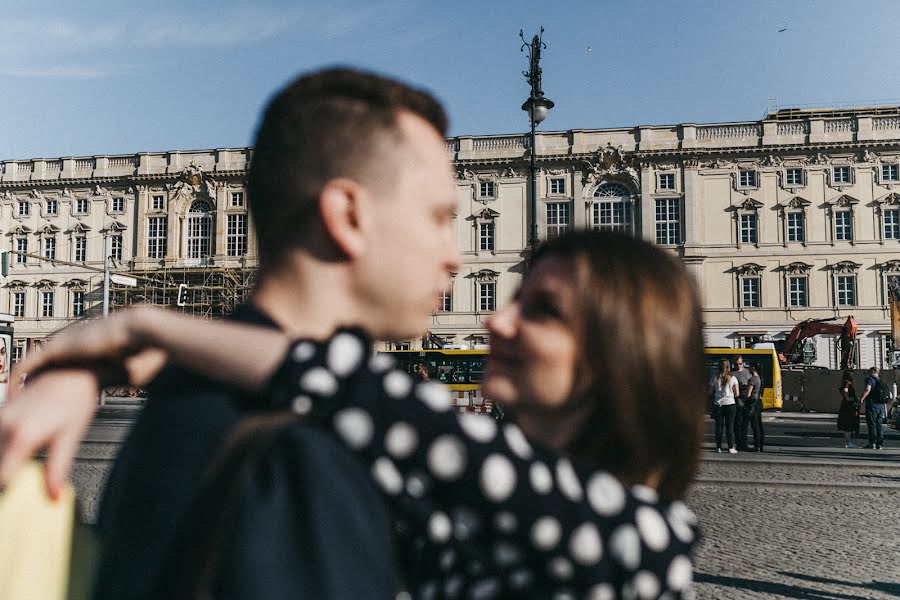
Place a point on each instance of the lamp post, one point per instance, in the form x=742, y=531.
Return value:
x=537, y=106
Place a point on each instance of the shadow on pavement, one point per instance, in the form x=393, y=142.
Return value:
x=862, y=455
x=796, y=591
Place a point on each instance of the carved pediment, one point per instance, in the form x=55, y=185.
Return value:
x=610, y=161
x=749, y=269
x=890, y=266
x=17, y=284
x=484, y=215
x=843, y=200
x=846, y=267
x=77, y=284
x=20, y=230
x=748, y=204
x=892, y=198
x=797, y=268
x=113, y=227
x=797, y=202
x=45, y=284
x=485, y=275
x=79, y=228
x=49, y=230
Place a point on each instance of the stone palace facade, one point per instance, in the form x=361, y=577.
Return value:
x=791, y=217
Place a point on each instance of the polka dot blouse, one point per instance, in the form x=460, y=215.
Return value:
x=480, y=512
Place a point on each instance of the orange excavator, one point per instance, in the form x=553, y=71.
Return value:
x=790, y=351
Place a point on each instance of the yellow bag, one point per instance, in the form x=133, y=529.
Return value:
x=45, y=553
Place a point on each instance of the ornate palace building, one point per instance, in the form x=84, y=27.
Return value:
x=791, y=217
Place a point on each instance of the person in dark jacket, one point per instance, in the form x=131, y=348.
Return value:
x=848, y=413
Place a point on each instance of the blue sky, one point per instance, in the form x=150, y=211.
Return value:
x=80, y=78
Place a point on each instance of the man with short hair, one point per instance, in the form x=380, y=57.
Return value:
x=742, y=416
x=353, y=199
x=874, y=409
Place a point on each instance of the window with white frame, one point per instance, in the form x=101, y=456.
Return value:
x=796, y=227
x=18, y=351
x=486, y=236
x=557, y=219
x=77, y=303
x=668, y=221
x=80, y=252
x=798, y=291
x=18, y=304
x=81, y=206
x=889, y=173
x=557, y=186
x=446, y=301
x=50, y=247
x=845, y=290
x=117, y=204
x=51, y=208
x=747, y=178
x=199, y=230
x=115, y=247
x=157, y=237
x=843, y=225
x=612, y=210
x=750, y=291
x=749, y=230
x=47, y=303
x=237, y=199
x=487, y=189
x=891, y=218
x=841, y=175
x=793, y=177
x=22, y=247
x=487, y=296
x=400, y=345
x=24, y=209
x=665, y=182
x=747, y=340
x=157, y=202
x=236, y=235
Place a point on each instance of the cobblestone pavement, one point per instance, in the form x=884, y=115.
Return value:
x=781, y=525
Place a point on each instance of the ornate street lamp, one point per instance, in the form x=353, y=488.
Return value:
x=537, y=106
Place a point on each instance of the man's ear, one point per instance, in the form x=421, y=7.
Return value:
x=342, y=204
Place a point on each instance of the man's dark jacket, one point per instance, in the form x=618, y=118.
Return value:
x=311, y=525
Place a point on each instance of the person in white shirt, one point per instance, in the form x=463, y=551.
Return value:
x=724, y=387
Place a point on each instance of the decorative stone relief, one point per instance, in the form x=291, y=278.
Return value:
x=749, y=270
x=463, y=174
x=797, y=268
x=611, y=161
x=773, y=161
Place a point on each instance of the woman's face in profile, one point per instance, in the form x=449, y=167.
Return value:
x=533, y=347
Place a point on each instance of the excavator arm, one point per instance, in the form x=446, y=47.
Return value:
x=810, y=327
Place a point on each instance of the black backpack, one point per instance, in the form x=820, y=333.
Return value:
x=881, y=394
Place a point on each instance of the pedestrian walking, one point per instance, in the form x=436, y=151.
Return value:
x=848, y=413
x=754, y=413
x=875, y=396
x=724, y=387
x=742, y=402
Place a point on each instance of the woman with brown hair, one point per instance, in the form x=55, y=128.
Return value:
x=599, y=363
x=848, y=413
x=724, y=388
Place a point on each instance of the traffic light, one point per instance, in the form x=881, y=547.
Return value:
x=182, y=294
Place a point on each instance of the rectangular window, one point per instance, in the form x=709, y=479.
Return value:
x=24, y=209
x=446, y=301
x=892, y=224
x=115, y=247
x=666, y=181
x=750, y=292
x=612, y=216
x=797, y=291
x=487, y=296
x=18, y=350
x=50, y=248
x=486, y=189
x=81, y=206
x=52, y=207
x=156, y=237
x=118, y=205
x=793, y=177
x=843, y=226
x=668, y=221
x=557, y=186
x=846, y=290
x=236, y=240
x=840, y=175
x=796, y=227
x=156, y=202
x=77, y=303
x=749, y=229
x=18, y=304
x=889, y=173
x=486, y=236
x=237, y=198
x=21, y=246
x=80, y=249
x=557, y=219
x=747, y=178
x=46, y=304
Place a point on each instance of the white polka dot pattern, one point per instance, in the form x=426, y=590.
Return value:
x=680, y=573
x=645, y=585
x=645, y=493
x=480, y=428
x=585, y=545
x=434, y=395
x=517, y=442
x=561, y=568
x=345, y=353
x=397, y=384
x=303, y=352
x=401, y=440
x=652, y=528
x=447, y=457
x=415, y=485
x=381, y=363
x=545, y=533
x=319, y=381
x=505, y=522
x=601, y=591
x=439, y=527
x=625, y=546
x=388, y=477
x=684, y=513
x=301, y=405
x=605, y=494
x=680, y=527
x=506, y=554
x=498, y=478
x=485, y=590
x=540, y=477
x=568, y=480
x=355, y=426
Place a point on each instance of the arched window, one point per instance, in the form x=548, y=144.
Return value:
x=199, y=230
x=612, y=208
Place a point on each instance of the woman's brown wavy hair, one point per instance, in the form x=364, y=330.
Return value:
x=638, y=324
